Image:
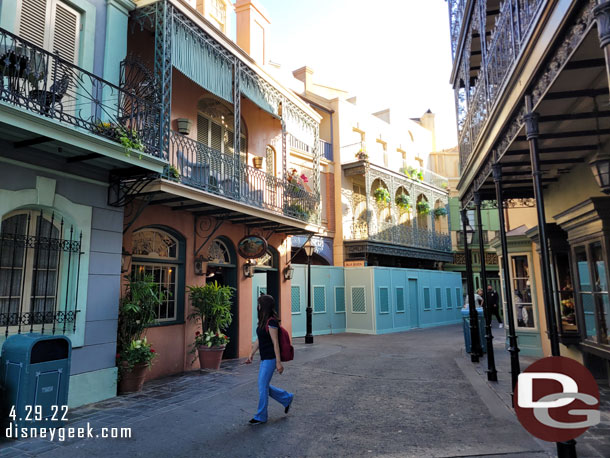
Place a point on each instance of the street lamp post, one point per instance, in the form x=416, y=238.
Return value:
x=309, y=249
x=475, y=342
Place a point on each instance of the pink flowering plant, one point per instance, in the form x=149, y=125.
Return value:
x=296, y=181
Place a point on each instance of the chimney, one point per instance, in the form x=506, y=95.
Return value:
x=427, y=121
x=305, y=74
x=252, y=28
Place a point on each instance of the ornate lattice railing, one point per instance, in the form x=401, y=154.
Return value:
x=399, y=234
x=41, y=82
x=456, y=18
x=511, y=28
x=196, y=164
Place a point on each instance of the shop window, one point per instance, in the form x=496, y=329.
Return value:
x=522, y=296
x=593, y=291
x=564, y=292
x=39, y=273
x=157, y=255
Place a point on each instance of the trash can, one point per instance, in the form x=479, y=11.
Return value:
x=35, y=372
x=466, y=327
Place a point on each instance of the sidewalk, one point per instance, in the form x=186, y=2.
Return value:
x=594, y=443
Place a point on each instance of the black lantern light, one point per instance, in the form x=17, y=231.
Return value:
x=600, y=166
x=309, y=249
x=288, y=272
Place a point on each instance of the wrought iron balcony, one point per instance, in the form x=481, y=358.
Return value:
x=40, y=82
x=399, y=234
x=196, y=164
x=474, y=103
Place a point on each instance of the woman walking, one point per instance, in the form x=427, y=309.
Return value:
x=269, y=347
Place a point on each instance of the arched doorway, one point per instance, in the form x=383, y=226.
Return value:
x=266, y=280
x=423, y=212
x=222, y=263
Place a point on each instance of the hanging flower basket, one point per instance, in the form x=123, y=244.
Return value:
x=423, y=207
x=362, y=156
x=382, y=196
x=403, y=201
x=440, y=211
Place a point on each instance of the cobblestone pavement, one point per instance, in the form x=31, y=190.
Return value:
x=412, y=394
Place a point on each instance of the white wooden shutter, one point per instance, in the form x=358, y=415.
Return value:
x=32, y=21
x=216, y=138
x=203, y=129
x=64, y=32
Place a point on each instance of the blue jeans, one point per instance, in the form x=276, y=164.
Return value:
x=265, y=390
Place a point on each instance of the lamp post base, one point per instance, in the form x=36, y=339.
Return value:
x=308, y=339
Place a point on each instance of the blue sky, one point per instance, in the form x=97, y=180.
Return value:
x=389, y=53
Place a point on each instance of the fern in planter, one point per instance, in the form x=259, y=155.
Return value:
x=423, y=207
x=382, y=196
x=403, y=201
x=440, y=211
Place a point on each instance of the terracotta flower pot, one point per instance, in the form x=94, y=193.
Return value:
x=210, y=357
x=258, y=162
x=132, y=381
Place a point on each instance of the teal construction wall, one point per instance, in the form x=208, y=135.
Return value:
x=375, y=300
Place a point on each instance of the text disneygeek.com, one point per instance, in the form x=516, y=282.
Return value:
x=61, y=434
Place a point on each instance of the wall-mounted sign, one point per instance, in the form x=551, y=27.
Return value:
x=252, y=247
x=360, y=263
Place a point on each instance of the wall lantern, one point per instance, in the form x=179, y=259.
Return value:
x=288, y=272
x=249, y=269
x=125, y=261
x=201, y=266
x=184, y=125
x=600, y=166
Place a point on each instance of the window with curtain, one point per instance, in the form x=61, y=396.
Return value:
x=39, y=274
x=522, y=295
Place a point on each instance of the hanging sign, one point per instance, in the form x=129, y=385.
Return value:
x=358, y=263
x=252, y=247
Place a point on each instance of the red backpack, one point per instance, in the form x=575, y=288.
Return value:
x=286, y=348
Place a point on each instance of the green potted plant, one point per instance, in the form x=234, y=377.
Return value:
x=403, y=201
x=137, y=310
x=382, y=196
x=420, y=175
x=440, y=211
x=212, y=310
x=172, y=173
x=423, y=207
x=445, y=185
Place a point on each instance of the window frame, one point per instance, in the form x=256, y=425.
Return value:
x=404, y=307
x=242, y=136
x=298, y=287
x=178, y=263
x=344, y=305
x=313, y=288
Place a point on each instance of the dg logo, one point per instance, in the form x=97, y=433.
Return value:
x=557, y=399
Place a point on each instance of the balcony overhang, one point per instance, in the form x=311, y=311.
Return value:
x=362, y=247
x=68, y=143
x=180, y=197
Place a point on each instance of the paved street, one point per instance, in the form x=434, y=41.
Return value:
x=412, y=394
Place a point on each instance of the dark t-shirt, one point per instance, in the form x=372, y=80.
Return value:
x=265, y=344
x=492, y=298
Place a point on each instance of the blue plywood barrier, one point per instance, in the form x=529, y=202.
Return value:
x=327, y=300
x=374, y=300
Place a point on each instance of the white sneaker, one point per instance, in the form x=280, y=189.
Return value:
x=501, y=325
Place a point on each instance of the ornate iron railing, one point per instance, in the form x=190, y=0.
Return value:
x=512, y=25
x=39, y=276
x=197, y=165
x=41, y=82
x=400, y=234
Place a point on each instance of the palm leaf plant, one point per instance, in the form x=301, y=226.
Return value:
x=382, y=196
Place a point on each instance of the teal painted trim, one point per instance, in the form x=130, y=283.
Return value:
x=90, y=387
x=86, y=50
x=115, y=48
x=8, y=15
x=43, y=126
